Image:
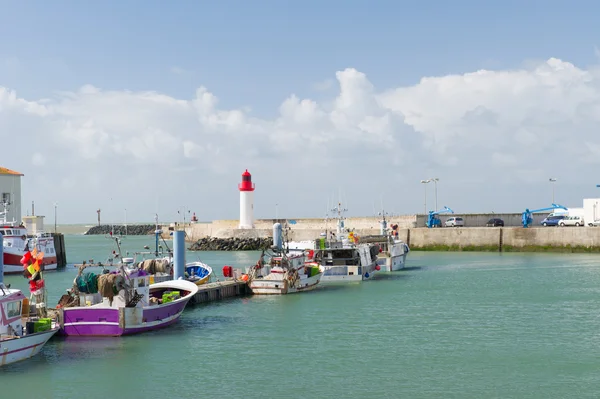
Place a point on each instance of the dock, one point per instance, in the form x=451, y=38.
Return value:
x=61, y=253
x=211, y=292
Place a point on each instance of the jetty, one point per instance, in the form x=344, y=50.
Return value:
x=211, y=292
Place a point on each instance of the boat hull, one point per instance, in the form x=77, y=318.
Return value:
x=391, y=263
x=18, y=349
x=268, y=286
x=99, y=321
x=12, y=261
x=348, y=273
x=195, y=266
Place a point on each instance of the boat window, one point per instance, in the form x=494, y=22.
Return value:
x=3, y=232
x=12, y=309
x=9, y=232
x=142, y=282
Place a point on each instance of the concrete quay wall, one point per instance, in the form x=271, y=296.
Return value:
x=567, y=239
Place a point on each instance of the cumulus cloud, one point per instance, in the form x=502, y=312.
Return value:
x=512, y=127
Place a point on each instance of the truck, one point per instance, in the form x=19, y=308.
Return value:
x=569, y=212
x=591, y=211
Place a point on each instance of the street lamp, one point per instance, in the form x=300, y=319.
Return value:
x=425, y=182
x=553, y=181
x=55, y=206
x=435, y=180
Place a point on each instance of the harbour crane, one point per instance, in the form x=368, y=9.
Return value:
x=433, y=220
x=527, y=217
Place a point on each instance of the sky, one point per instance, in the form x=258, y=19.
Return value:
x=144, y=107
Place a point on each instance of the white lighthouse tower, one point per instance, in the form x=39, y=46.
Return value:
x=246, y=188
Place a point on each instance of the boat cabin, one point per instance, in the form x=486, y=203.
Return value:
x=11, y=303
x=294, y=261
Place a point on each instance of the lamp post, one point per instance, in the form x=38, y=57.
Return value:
x=425, y=182
x=552, y=180
x=435, y=180
x=55, y=206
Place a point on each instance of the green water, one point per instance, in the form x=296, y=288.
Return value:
x=453, y=325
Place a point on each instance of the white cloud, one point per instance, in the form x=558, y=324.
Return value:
x=140, y=148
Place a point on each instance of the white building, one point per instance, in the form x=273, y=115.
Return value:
x=10, y=189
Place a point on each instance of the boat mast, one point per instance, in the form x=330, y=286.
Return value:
x=156, y=234
x=340, y=218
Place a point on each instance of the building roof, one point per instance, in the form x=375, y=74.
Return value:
x=6, y=171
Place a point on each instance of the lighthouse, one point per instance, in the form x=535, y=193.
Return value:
x=246, y=188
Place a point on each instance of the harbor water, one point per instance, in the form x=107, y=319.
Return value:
x=452, y=325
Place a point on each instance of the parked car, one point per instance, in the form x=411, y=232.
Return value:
x=495, y=222
x=454, y=222
x=571, y=221
x=552, y=220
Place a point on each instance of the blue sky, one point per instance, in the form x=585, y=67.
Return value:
x=256, y=56
x=258, y=52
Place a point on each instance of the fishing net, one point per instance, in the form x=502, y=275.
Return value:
x=87, y=283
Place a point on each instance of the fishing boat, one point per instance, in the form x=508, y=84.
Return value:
x=392, y=250
x=283, y=274
x=122, y=302
x=17, y=242
x=23, y=334
x=341, y=254
x=278, y=272
x=197, y=272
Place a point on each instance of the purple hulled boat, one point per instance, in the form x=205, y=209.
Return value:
x=121, y=303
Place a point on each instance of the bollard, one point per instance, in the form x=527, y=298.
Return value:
x=178, y=255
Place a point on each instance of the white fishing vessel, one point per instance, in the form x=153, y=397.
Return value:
x=22, y=335
x=392, y=250
x=17, y=242
x=282, y=273
x=341, y=255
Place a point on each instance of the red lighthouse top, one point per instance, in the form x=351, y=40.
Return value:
x=246, y=184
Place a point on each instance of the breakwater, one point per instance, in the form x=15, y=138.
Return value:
x=231, y=244
x=132, y=230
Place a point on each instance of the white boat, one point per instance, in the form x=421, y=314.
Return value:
x=392, y=250
x=21, y=335
x=341, y=255
x=17, y=242
x=283, y=274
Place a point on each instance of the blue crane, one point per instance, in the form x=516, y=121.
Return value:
x=527, y=217
x=433, y=220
